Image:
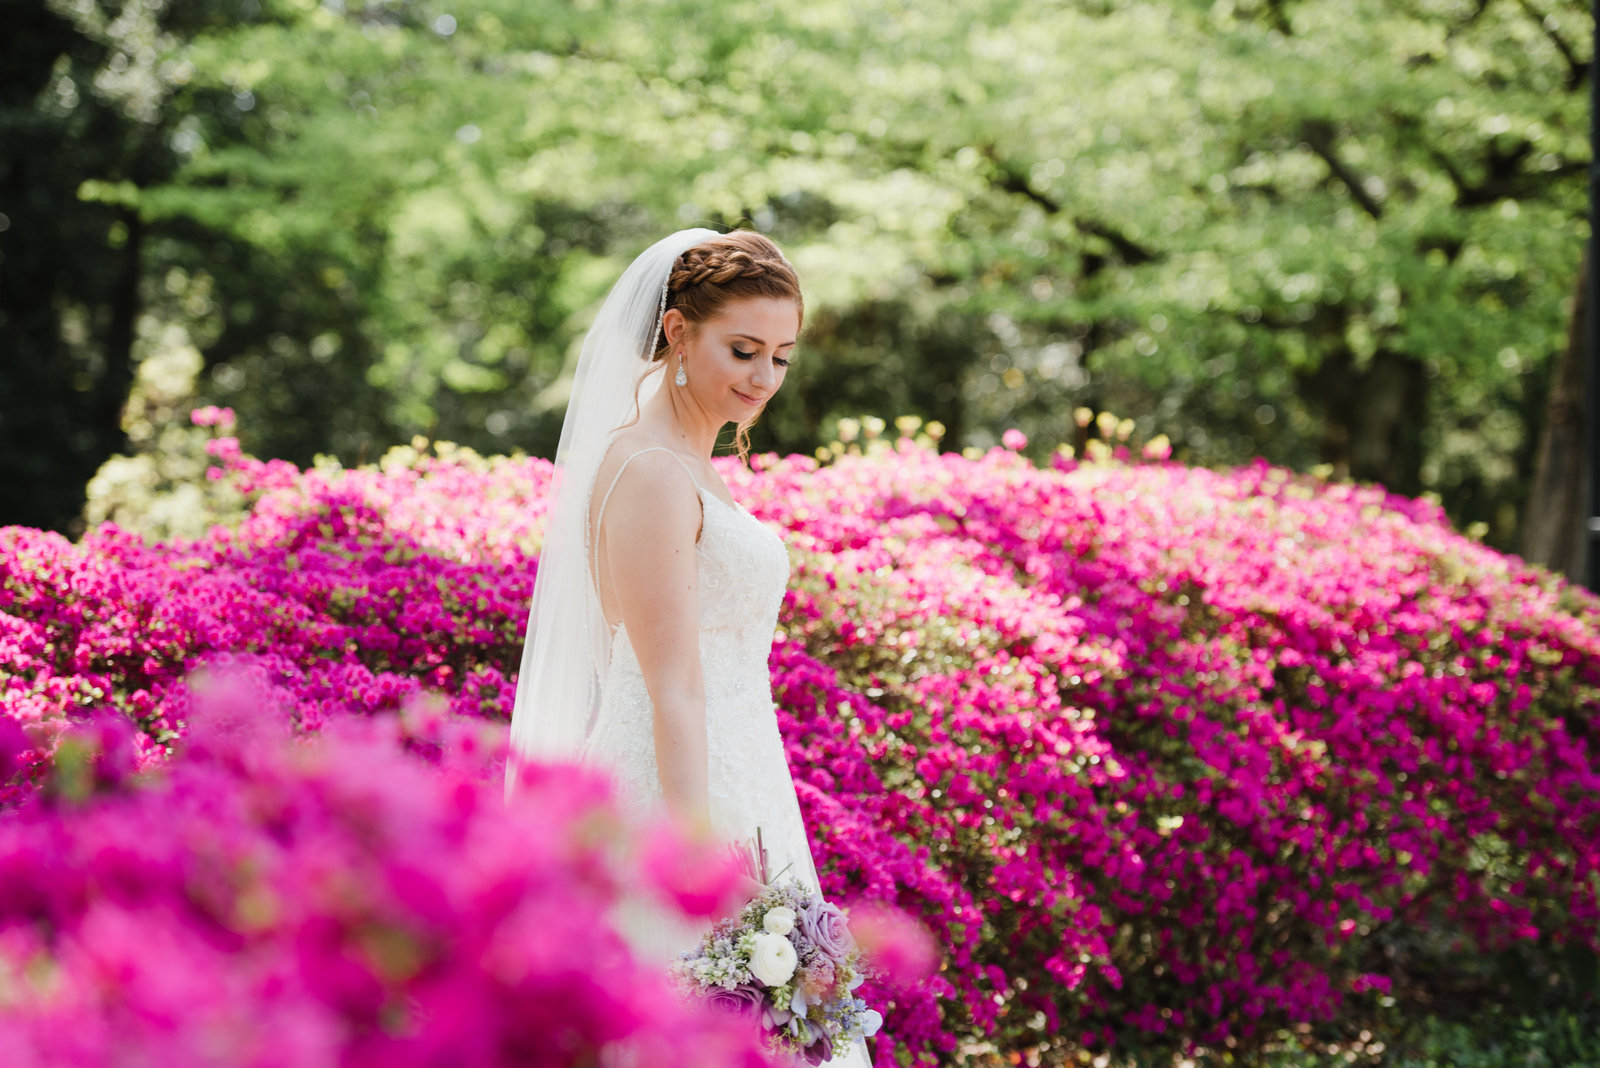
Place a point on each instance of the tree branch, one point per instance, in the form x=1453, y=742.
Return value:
x=1576, y=68
x=1482, y=6
x=1319, y=135
x=1503, y=176
x=1280, y=17
x=1010, y=180
x=1451, y=172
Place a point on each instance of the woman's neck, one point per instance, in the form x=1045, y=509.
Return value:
x=687, y=424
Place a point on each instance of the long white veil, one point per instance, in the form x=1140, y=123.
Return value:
x=567, y=644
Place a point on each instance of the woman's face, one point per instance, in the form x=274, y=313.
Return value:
x=736, y=360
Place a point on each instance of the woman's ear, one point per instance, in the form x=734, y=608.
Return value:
x=674, y=326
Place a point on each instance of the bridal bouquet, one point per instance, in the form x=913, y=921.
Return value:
x=786, y=960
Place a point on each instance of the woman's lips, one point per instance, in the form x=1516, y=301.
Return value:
x=746, y=398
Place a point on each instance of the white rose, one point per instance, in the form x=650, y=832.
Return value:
x=773, y=959
x=779, y=920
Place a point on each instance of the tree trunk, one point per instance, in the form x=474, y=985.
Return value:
x=1372, y=418
x=60, y=402
x=1553, y=522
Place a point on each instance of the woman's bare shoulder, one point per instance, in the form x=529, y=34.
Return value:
x=641, y=449
x=650, y=487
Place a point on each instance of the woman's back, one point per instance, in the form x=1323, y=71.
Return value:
x=742, y=569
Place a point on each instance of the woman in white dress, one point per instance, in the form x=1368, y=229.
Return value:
x=657, y=595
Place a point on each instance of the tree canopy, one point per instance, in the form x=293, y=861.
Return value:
x=1328, y=231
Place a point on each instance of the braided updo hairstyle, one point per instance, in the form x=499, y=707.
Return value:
x=734, y=266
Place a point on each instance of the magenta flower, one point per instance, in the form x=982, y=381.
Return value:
x=211, y=415
x=700, y=878
x=284, y=901
x=1192, y=739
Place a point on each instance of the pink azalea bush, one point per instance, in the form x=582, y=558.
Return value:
x=1160, y=755
x=363, y=896
x=1212, y=752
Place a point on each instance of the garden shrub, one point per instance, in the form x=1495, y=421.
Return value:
x=361, y=896
x=1166, y=758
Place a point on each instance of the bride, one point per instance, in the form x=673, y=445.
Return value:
x=657, y=594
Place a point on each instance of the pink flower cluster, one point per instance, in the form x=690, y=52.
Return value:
x=1205, y=753
x=1153, y=751
x=331, y=901
x=211, y=415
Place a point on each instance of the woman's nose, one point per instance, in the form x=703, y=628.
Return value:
x=766, y=376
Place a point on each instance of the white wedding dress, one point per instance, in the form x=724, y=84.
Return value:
x=743, y=569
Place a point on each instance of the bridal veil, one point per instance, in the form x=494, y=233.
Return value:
x=567, y=644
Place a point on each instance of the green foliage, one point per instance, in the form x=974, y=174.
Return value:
x=1537, y=1040
x=1542, y=1036
x=1338, y=231
x=160, y=490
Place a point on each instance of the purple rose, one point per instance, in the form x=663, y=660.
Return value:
x=744, y=1000
x=825, y=926
x=818, y=1051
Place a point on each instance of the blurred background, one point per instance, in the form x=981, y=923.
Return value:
x=1325, y=232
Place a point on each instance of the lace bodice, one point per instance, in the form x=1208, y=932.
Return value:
x=742, y=569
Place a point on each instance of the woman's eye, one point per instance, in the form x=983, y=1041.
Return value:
x=743, y=355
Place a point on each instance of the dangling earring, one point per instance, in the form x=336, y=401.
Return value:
x=681, y=378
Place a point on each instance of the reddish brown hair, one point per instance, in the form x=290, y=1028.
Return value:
x=737, y=265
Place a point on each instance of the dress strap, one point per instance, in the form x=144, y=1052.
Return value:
x=600, y=515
